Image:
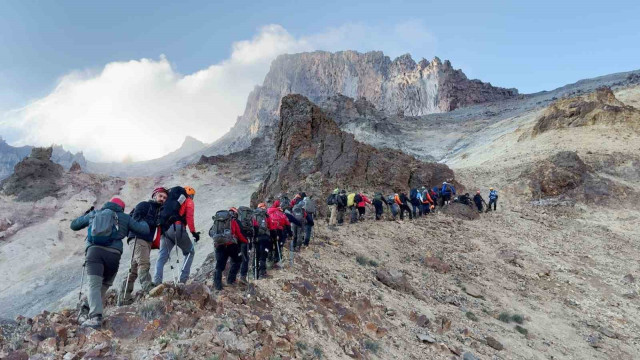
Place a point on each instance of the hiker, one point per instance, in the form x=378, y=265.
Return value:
x=434, y=193
x=377, y=202
x=285, y=203
x=106, y=229
x=230, y=249
x=262, y=241
x=298, y=198
x=403, y=203
x=309, y=205
x=478, y=200
x=447, y=191
x=332, y=201
x=245, y=219
x=351, y=204
x=415, y=198
x=296, y=217
x=175, y=218
x=277, y=221
x=342, y=206
x=146, y=211
x=465, y=199
x=493, y=198
x=361, y=201
x=427, y=201
x=394, y=208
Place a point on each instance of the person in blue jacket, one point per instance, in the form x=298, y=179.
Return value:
x=102, y=260
x=493, y=198
x=447, y=192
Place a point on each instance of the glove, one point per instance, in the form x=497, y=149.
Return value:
x=90, y=210
x=196, y=236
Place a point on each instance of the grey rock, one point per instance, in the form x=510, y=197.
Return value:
x=426, y=338
x=492, y=342
x=468, y=356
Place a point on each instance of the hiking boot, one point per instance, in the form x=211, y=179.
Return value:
x=242, y=282
x=94, y=323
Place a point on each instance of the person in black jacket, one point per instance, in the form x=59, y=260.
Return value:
x=341, y=206
x=404, y=206
x=146, y=211
x=478, y=200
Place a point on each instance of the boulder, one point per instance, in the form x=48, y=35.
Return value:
x=460, y=211
x=35, y=177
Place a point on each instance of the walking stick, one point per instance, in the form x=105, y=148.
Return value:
x=173, y=270
x=126, y=286
x=84, y=264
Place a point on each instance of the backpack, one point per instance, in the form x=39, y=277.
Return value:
x=220, y=232
x=285, y=203
x=332, y=199
x=391, y=200
x=413, y=195
x=350, y=199
x=378, y=196
x=245, y=219
x=357, y=199
x=342, y=200
x=102, y=227
x=310, y=206
x=260, y=215
x=425, y=197
x=298, y=213
x=170, y=211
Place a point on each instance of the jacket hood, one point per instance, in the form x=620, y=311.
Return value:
x=276, y=204
x=113, y=207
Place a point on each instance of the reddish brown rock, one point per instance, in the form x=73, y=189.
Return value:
x=437, y=264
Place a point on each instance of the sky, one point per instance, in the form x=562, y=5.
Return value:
x=131, y=79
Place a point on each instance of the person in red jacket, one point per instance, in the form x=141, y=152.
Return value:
x=230, y=251
x=361, y=205
x=276, y=226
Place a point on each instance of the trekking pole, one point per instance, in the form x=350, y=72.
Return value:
x=291, y=250
x=84, y=265
x=126, y=286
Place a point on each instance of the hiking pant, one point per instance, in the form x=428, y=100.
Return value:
x=297, y=239
x=479, y=206
x=307, y=234
x=416, y=210
x=341, y=215
x=244, y=267
x=403, y=208
x=223, y=253
x=446, y=198
x=334, y=215
x=276, y=244
x=361, y=211
x=175, y=234
x=379, y=209
x=426, y=208
x=354, y=215
x=139, y=267
x=262, y=252
x=494, y=202
x=102, y=266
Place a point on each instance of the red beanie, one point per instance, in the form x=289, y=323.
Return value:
x=117, y=201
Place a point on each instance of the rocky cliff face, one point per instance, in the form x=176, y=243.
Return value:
x=399, y=86
x=314, y=155
x=35, y=177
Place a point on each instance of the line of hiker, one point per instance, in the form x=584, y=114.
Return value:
x=420, y=202
x=159, y=223
x=163, y=223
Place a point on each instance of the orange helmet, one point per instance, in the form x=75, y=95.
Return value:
x=262, y=206
x=190, y=191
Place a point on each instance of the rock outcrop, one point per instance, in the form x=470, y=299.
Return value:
x=11, y=155
x=314, y=155
x=35, y=177
x=399, y=86
x=599, y=107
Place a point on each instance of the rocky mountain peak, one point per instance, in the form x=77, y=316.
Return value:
x=314, y=155
x=35, y=177
x=392, y=86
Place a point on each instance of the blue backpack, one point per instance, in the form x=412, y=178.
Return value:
x=103, y=227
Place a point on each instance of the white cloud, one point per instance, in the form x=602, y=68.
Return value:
x=143, y=108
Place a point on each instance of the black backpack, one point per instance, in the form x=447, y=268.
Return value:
x=378, y=196
x=220, y=232
x=245, y=219
x=298, y=213
x=285, y=202
x=170, y=211
x=342, y=200
x=146, y=211
x=260, y=215
x=357, y=199
x=332, y=199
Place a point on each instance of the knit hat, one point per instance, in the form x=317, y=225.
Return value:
x=117, y=201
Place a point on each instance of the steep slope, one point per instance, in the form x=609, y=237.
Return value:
x=394, y=86
x=314, y=155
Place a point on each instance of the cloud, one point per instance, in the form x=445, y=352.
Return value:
x=143, y=109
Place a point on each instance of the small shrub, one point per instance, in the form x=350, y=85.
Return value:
x=317, y=352
x=163, y=340
x=522, y=330
x=504, y=317
x=151, y=310
x=517, y=318
x=362, y=260
x=214, y=357
x=373, y=263
x=371, y=346
x=471, y=316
